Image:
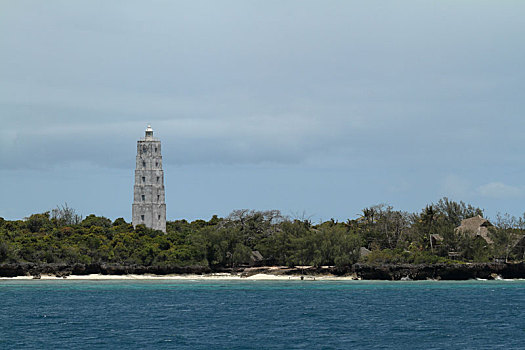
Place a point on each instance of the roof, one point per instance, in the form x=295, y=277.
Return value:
x=475, y=222
x=437, y=237
x=477, y=226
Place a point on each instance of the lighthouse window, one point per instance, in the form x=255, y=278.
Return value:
x=155, y=149
x=143, y=179
x=159, y=217
x=142, y=217
x=158, y=179
x=156, y=163
x=143, y=163
x=158, y=197
x=143, y=198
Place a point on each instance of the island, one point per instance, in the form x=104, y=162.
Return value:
x=446, y=240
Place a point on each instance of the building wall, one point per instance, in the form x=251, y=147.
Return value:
x=149, y=207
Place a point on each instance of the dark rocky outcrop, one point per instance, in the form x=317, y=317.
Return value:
x=63, y=270
x=18, y=269
x=439, y=271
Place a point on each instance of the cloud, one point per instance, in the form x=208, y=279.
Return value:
x=318, y=85
x=499, y=190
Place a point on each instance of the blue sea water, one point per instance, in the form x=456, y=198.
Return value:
x=165, y=314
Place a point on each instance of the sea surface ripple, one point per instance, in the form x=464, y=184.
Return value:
x=165, y=314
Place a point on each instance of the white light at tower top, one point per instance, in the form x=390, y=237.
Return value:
x=149, y=132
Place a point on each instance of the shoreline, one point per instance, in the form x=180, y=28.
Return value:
x=385, y=272
x=207, y=277
x=227, y=277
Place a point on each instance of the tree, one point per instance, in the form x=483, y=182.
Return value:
x=93, y=220
x=36, y=222
x=65, y=216
x=454, y=212
x=505, y=234
x=119, y=222
x=442, y=218
x=5, y=251
x=383, y=227
x=241, y=254
x=253, y=225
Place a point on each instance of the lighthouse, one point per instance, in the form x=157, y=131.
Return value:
x=149, y=206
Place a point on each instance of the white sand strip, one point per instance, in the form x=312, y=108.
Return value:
x=217, y=276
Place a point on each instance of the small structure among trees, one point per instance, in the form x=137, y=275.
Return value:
x=505, y=238
x=476, y=226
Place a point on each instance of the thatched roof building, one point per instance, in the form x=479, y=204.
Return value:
x=436, y=239
x=476, y=226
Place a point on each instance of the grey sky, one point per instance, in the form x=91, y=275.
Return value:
x=317, y=106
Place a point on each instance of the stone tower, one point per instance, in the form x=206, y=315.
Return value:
x=149, y=206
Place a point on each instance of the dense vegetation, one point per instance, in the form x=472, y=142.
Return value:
x=62, y=236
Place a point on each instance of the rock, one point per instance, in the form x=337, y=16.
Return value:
x=62, y=274
x=15, y=269
x=495, y=276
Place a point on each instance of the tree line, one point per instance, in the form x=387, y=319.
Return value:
x=379, y=235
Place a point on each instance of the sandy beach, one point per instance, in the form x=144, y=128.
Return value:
x=213, y=276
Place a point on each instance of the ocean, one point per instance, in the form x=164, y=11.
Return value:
x=202, y=314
